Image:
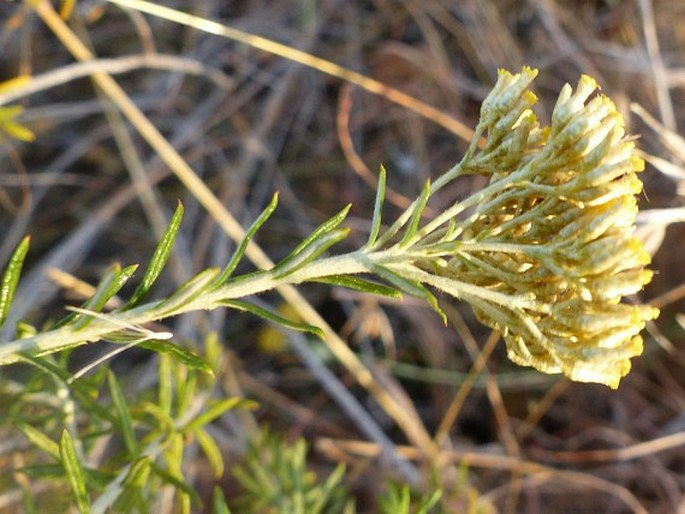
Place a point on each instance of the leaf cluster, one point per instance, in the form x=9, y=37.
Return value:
x=103, y=448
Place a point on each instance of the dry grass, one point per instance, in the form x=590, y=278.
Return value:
x=247, y=117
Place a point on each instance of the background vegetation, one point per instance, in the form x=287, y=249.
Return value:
x=281, y=413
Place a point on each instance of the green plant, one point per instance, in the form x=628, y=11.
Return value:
x=544, y=253
x=276, y=478
x=398, y=499
x=115, y=450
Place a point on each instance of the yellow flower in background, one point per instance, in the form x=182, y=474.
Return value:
x=553, y=231
x=10, y=127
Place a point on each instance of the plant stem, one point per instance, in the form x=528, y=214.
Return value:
x=108, y=324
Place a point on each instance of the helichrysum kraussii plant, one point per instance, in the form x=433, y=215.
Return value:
x=545, y=252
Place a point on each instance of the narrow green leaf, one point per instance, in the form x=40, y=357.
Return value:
x=451, y=232
x=10, y=278
x=326, y=489
x=188, y=292
x=211, y=450
x=159, y=258
x=428, y=503
x=110, y=285
x=177, y=483
x=360, y=284
x=377, y=208
x=130, y=497
x=90, y=404
x=27, y=501
x=39, y=439
x=178, y=353
x=124, y=421
x=419, y=207
x=25, y=330
x=240, y=251
x=410, y=287
x=272, y=316
x=43, y=471
x=138, y=472
x=165, y=384
x=306, y=255
x=172, y=453
x=85, y=391
x=46, y=366
x=164, y=423
x=219, y=505
x=323, y=229
x=185, y=387
x=74, y=472
x=216, y=410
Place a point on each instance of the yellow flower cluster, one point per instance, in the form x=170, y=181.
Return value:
x=553, y=231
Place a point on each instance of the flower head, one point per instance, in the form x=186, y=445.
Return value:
x=553, y=233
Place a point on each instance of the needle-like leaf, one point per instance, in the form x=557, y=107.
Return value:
x=159, y=258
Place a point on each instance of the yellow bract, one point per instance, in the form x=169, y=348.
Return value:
x=559, y=230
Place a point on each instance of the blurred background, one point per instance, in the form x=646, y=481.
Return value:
x=90, y=192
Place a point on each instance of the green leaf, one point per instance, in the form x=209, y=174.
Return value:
x=84, y=390
x=219, y=505
x=110, y=285
x=187, y=292
x=163, y=421
x=10, y=278
x=321, y=231
x=177, y=483
x=211, y=450
x=178, y=353
x=43, y=471
x=46, y=366
x=165, y=384
x=272, y=316
x=185, y=386
x=407, y=286
x=74, y=472
x=39, y=439
x=451, y=232
x=377, y=208
x=360, y=284
x=325, y=491
x=90, y=404
x=419, y=207
x=410, y=287
x=159, y=258
x=130, y=497
x=27, y=501
x=427, y=503
x=240, y=251
x=217, y=409
x=172, y=452
x=293, y=262
x=124, y=421
x=138, y=472
x=25, y=330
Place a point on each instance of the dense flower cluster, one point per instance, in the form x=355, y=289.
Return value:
x=553, y=231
